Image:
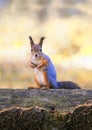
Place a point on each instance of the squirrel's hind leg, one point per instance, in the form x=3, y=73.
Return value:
x=46, y=82
x=37, y=82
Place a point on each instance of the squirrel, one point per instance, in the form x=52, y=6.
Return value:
x=44, y=70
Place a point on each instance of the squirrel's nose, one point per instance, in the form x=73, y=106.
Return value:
x=35, y=55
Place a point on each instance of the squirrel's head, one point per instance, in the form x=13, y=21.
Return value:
x=36, y=49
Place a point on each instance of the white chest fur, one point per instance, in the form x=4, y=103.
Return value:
x=36, y=61
x=39, y=76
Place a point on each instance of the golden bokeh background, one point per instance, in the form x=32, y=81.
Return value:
x=67, y=25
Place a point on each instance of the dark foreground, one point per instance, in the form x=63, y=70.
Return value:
x=36, y=118
x=57, y=109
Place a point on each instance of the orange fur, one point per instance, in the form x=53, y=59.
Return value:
x=44, y=62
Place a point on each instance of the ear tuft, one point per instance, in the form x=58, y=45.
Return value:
x=41, y=40
x=31, y=40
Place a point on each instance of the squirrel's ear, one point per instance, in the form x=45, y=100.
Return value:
x=41, y=41
x=31, y=40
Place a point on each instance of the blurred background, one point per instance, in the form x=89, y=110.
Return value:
x=67, y=25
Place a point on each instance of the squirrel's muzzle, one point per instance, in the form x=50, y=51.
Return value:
x=36, y=55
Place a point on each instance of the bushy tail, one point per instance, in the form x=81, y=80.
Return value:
x=67, y=85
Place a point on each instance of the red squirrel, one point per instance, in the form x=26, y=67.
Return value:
x=44, y=70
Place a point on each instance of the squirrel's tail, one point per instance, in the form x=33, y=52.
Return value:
x=67, y=85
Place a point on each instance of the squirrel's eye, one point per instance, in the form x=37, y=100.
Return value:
x=40, y=49
x=31, y=49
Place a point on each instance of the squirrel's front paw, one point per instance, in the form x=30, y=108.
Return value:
x=38, y=66
x=32, y=65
